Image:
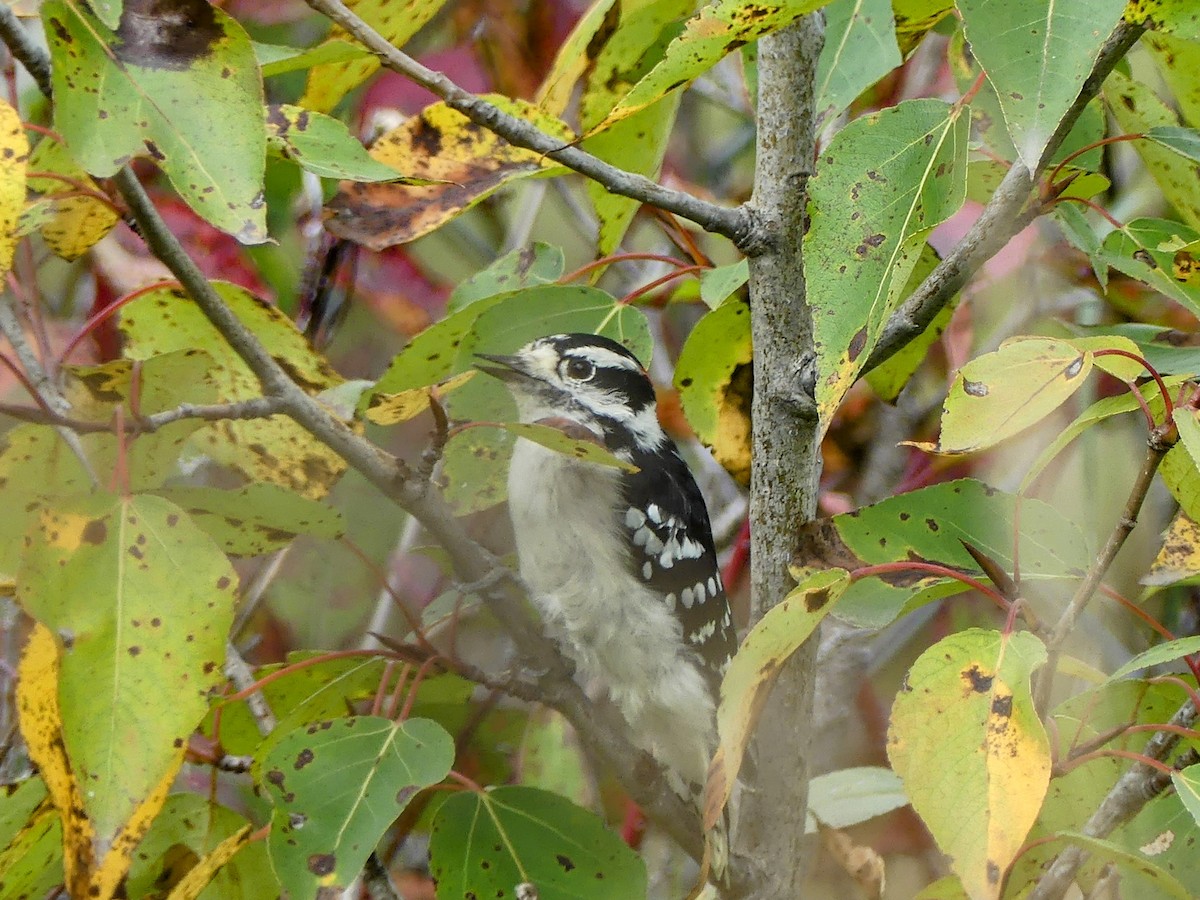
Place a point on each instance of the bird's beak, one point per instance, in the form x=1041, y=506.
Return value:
x=506, y=368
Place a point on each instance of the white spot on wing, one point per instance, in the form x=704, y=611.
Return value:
x=700, y=592
x=654, y=513
x=634, y=518
x=647, y=570
x=703, y=633
x=670, y=601
x=712, y=585
x=686, y=598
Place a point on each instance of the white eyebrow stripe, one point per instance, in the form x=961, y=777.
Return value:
x=602, y=357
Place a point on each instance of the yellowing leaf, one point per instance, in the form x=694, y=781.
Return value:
x=715, y=385
x=390, y=409
x=275, y=449
x=717, y=30
x=40, y=720
x=752, y=672
x=999, y=394
x=143, y=601
x=14, y=151
x=199, y=876
x=441, y=145
x=971, y=751
x=1179, y=557
x=395, y=21
x=73, y=222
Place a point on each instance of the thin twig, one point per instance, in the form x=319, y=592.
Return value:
x=1155, y=452
x=735, y=223
x=254, y=408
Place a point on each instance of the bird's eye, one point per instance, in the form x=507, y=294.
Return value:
x=579, y=369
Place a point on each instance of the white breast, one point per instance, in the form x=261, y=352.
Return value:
x=573, y=558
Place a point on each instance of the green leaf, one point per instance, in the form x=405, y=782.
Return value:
x=487, y=844
x=193, y=822
x=881, y=185
x=639, y=143
x=536, y=264
x=715, y=381
x=143, y=601
x=1000, y=394
x=1178, y=60
x=257, y=518
x=888, y=379
x=964, y=725
x=710, y=35
x=187, y=93
x=551, y=758
x=752, y=673
x=562, y=442
x=1170, y=351
x=1187, y=786
x=75, y=222
x=32, y=857
x=1150, y=879
x=1100, y=411
x=1147, y=249
x=851, y=796
x=1079, y=231
x=1180, y=475
x=719, y=284
x=1138, y=109
x=1178, y=17
x=276, y=59
x=1037, y=56
x=337, y=786
x=929, y=525
x=860, y=48
x=1184, y=141
x=275, y=449
x=323, y=145
x=1167, y=651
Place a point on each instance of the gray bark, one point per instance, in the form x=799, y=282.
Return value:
x=786, y=451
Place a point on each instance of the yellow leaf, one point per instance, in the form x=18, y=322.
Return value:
x=752, y=674
x=964, y=727
x=197, y=879
x=41, y=725
x=1179, y=557
x=390, y=409
x=115, y=866
x=72, y=222
x=467, y=162
x=14, y=152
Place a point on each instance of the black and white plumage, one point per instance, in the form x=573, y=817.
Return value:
x=621, y=565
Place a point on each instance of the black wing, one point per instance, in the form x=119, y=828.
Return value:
x=671, y=549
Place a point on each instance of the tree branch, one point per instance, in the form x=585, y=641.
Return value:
x=734, y=223
x=255, y=408
x=785, y=457
x=1006, y=214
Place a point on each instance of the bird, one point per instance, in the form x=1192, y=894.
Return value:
x=620, y=565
